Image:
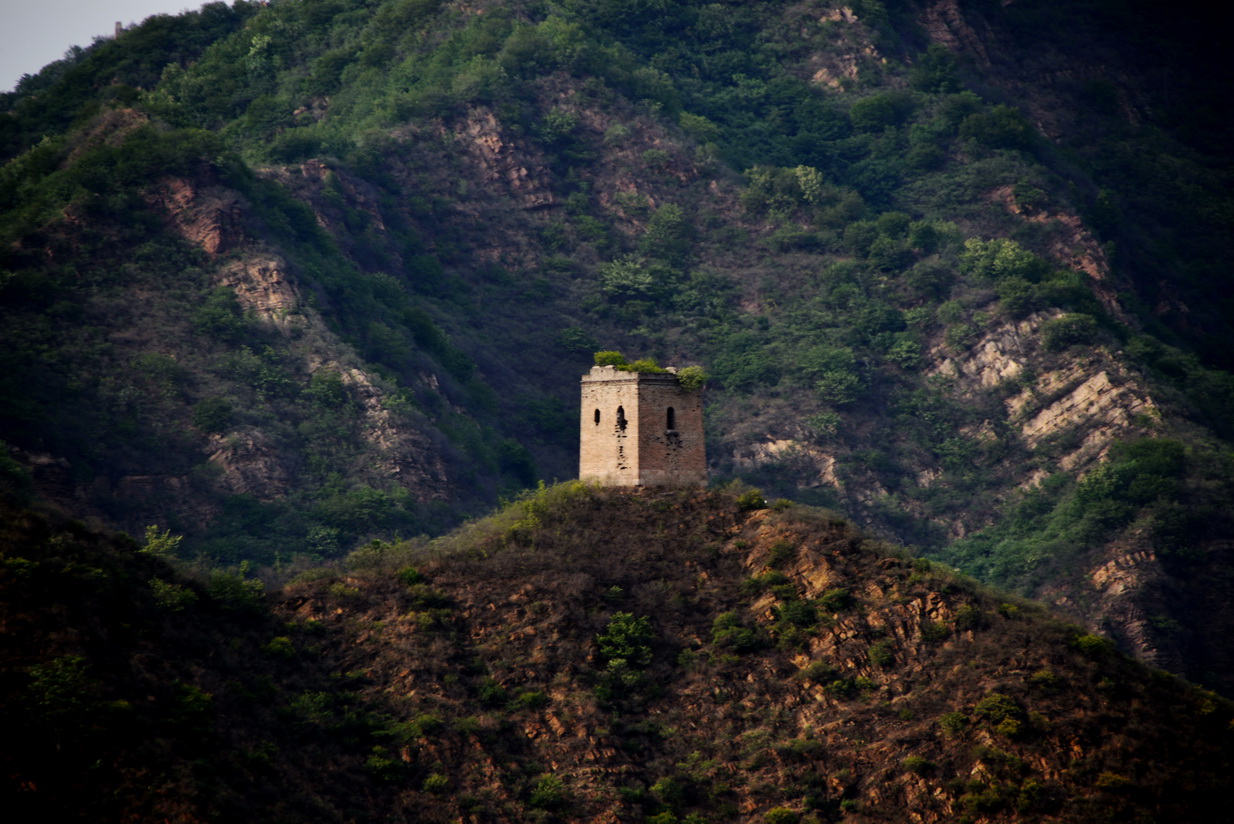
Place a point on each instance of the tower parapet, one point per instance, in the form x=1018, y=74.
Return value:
x=640, y=429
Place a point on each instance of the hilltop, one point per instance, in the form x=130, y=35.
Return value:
x=584, y=654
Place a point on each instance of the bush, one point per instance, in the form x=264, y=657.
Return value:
x=171, y=597
x=835, y=600
x=997, y=708
x=751, y=499
x=781, y=815
x=410, y=576
x=1002, y=127
x=881, y=654
x=1093, y=646
x=934, y=631
x=968, y=617
x=424, y=597
x=781, y=555
x=531, y=699
x=212, y=415
x=881, y=110
x=234, y=593
x=953, y=723
x=548, y=793
x=626, y=639
x=692, y=378
x=280, y=647
x=727, y=631
x=818, y=671
x=1068, y=330
x=761, y=583
x=797, y=613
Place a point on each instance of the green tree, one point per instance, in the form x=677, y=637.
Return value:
x=627, y=639
x=667, y=235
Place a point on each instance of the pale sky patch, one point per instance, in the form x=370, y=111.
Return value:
x=37, y=32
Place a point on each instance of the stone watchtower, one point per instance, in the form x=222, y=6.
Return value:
x=640, y=429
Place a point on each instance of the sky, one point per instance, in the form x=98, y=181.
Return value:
x=34, y=33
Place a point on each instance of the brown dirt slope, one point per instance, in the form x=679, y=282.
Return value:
x=582, y=655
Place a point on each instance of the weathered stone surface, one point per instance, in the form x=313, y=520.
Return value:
x=753, y=455
x=249, y=464
x=208, y=216
x=640, y=429
x=264, y=288
x=502, y=164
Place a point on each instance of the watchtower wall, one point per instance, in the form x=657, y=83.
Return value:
x=640, y=429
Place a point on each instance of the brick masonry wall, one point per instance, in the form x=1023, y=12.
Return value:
x=639, y=449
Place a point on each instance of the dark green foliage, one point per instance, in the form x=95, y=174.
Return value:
x=424, y=597
x=881, y=110
x=234, y=593
x=213, y=415
x=410, y=576
x=1002, y=127
x=781, y=815
x=627, y=639
x=548, y=793
x=953, y=723
x=781, y=555
x=1068, y=330
x=881, y=654
x=727, y=632
x=997, y=707
x=1093, y=645
x=835, y=600
x=934, y=70
x=798, y=613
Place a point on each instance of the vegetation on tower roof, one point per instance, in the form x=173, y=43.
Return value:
x=690, y=377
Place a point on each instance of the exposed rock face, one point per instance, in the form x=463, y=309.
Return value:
x=208, y=216
x=264, y=288
x=319, y=175
x=1074, y=246
x=751, y=456
x=842, y=66
x=403, y=454
x=502, y=163
x=1093, y=394
x=1104, y=408
x=946, y=24
x=999, y=356
x=249, y=464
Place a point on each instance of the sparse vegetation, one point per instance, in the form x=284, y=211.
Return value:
x=371, y=694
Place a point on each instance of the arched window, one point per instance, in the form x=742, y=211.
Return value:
x=672, y=419
x=597, y=417
x=621, y=418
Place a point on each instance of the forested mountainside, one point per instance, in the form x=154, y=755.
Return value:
x=582, y=655
x=288, y=277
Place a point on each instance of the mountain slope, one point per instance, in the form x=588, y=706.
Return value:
x=590, y=654
x=289, y=277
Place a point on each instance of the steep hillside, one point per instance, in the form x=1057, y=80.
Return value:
x=288, y=277
x=583, y=655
